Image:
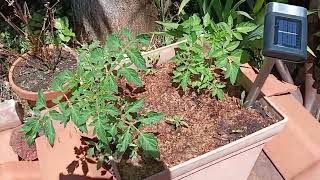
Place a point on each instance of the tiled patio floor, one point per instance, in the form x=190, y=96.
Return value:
x=264, y=170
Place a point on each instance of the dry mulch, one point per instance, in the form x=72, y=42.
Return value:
x=212, y=124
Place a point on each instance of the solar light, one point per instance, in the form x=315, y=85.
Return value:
x=285, y=38
x=285, y=32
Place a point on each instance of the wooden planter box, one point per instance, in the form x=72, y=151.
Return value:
x=233, y=161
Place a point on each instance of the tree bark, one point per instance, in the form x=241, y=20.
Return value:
x=94, y=19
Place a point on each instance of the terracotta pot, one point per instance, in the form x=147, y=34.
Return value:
x=30, y=95
x=233, y=161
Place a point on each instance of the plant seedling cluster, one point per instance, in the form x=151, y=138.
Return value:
x=210, y=54
x=97, y=102
x=177, y=121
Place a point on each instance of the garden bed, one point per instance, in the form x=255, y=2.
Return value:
x=208, y=126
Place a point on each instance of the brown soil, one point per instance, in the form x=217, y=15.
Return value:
x=20, y=146
x=32, y=74
x=212, y=124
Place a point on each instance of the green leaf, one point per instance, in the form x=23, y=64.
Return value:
x=246, y=27
x=136, y=57
x=124, y=141
x=233, y=45
x=143, y=38
x=206, y=20
x=244, y=14
x=135, y=106
x=185, y=80
x=232, y=72
x=110, y=83
x=55, y=115
x=237, y=35
x=182, y=5
x=131, y=75
x=221, y=62
x=49, y=132
x=113, y=130
x=41, y=102
x=90, y=151
x=168, y=25
x=59, y=23
x=258, y=5
x=214, y=52
x=112, y=110
x=112, y=41
x=151, y=117
x=60, y=80
x=100, y=130
x=127, y=33
x=230, y=21
x=149, y=144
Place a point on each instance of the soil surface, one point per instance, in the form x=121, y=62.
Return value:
x=211, y=124
x=32, y=74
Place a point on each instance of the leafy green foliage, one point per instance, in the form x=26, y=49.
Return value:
x=64, y=33
x=208, y=68
x=116, y=119
x=177, y=121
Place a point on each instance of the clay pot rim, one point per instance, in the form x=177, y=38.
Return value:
x=31, y=95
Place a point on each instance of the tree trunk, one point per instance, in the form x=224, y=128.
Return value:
x=94, y=19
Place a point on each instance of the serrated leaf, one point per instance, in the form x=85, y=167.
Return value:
x=41, y=102
x=110, y=83
x=214, y=52
x=60, y=80
x=151, y=117
x=137, y=59
x=221, y=62
x=113, y=130
x=131, y=75
x=232, y=72
x=135, y=106
x=112, y=110
x=101, y=132
x=90, y=151
x=124, y=141
x=246, y=27
x=149, y=144
x=49, y=131
x=233, y=45
x=127, y=33
x=112, y=42
x=185, y=80
x=143, y=38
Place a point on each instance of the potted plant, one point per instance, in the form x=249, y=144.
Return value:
x=181, y=119
x=45, y=36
